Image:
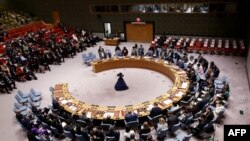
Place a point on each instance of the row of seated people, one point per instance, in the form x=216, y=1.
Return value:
x=13, y=18
x=201, y=45
x=35, y=51
x=203, y=103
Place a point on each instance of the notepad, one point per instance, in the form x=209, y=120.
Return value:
x=184, y=85
x=135, y=111
x=73, y=108
x=168, y=101
x=150, y=107
x=64, y=101
x=88, y=114
x=179, y=94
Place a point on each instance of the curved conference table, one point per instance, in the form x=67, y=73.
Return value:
x=177, y=75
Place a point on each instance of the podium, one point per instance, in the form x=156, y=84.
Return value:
x=112, y=41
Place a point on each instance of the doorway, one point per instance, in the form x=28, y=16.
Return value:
x=55, y=17
x=107, y=30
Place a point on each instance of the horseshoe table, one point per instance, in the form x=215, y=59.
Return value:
x=177, y=75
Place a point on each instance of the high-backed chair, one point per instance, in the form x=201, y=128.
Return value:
x=143, y=137
x=132, y=124
x=162, y=133
x=51, y=89
x=185, y=103
x=80, y=137
x=174, y=128
x=154, y=120
x=184, y=138
x=35, y=93
x=68, y=135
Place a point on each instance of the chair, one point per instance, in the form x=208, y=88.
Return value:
x=110, y=138
x=132, y=124
x=207, y=127
x=21, y=94
x=105, y=127
x=20, y=107
x=187, y=122
x=84, y=57
x=185, y=138
x=68, y=135
x=82, y=123
x=173, y=109
x=51, y=89
x=55, y=132
x=144, y=137
x=80, y=137
x=45, y=125
x=185, y=103
x=34, y=98
x=36, y=94
x=162, y=133
x=154, y=120
x=118, y=53
x=20, y=99
x=219, y=116
x=174, y=128
x=198, y=114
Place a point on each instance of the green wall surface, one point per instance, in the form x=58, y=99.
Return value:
x=77, y=13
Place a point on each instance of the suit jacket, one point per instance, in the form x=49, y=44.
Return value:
x=155, y=111
x=108, y=121
x=131, y=117
x=172, y=120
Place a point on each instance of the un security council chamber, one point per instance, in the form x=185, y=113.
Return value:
x=124, y=70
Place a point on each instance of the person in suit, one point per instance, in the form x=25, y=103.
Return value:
x=141, y=51
x=97, y=134
x=155, y=111
x=84, y=117
x=108, y=120
x=131, y=116
x=101, y=53
x=117, y=48
x=208, y=114
x=125, y=51
x=113, y=133
x=172, y=120
x=198, y=128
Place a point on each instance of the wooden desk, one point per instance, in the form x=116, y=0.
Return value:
x=178, y=76
x=113, y=42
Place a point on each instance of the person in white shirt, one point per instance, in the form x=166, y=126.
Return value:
x=218, y=109
x=162, y=124
x=128, y=132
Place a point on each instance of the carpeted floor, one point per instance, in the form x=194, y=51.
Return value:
x=144, y=85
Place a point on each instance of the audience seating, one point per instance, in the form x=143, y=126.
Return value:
x=21, y=94
x=36, y=94
x=174, y=128
x=105, y=127
x=68, y=135
x=185, y=138
x=80, y=137
x=143, y=137
x=132, y=124
x=20, y=99
x=155, y=120
x=162, y=133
